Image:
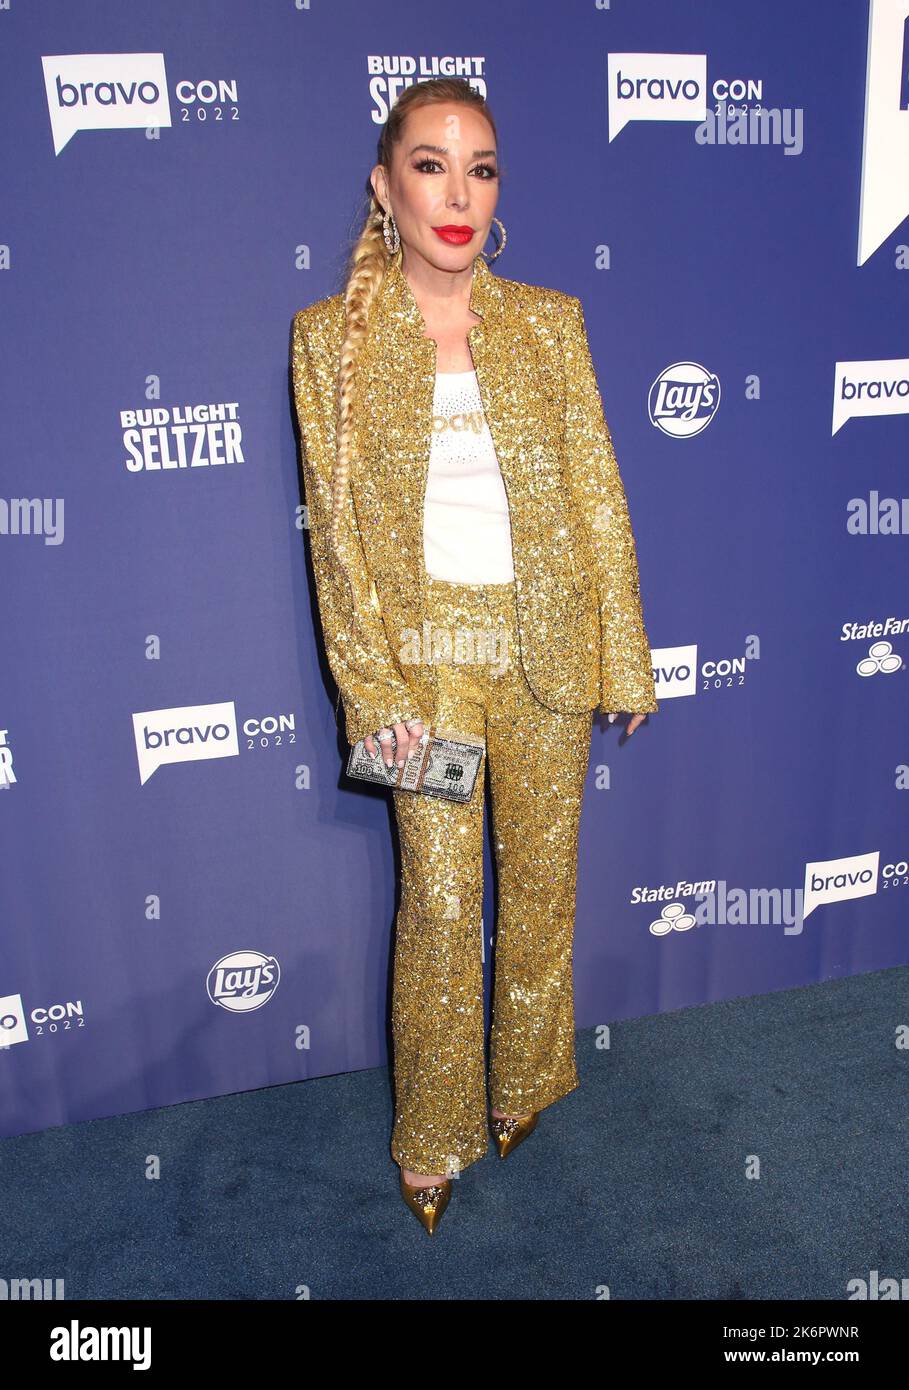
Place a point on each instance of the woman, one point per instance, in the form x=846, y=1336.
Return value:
x=460, y=481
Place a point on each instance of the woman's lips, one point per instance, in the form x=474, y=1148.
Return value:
x=455, y=236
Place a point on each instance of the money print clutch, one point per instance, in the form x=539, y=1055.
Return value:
x=444, y=764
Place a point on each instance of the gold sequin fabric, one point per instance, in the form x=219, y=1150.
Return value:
x=536, y=762
x=577, y=592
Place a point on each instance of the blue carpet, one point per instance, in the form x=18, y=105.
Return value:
x=636, y=1183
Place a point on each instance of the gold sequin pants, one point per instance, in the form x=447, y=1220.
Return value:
x=537, y=762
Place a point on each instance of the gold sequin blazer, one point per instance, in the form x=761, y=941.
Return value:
x=581, y=632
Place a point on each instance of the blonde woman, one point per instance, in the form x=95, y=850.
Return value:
x=461, y=484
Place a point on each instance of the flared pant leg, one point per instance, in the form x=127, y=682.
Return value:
x=437, y=996
x=537, y=762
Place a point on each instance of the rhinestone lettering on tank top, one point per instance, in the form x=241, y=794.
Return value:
x=466, y=524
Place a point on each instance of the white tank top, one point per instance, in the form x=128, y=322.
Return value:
x=466, y=524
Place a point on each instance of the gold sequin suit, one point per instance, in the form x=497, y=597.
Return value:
x=576, y=634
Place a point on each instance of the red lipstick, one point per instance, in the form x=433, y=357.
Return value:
x=455, y=235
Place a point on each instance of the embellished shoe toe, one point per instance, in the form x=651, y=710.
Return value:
x=509, y=1133
x=427, y=1203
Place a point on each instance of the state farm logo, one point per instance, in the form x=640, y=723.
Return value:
x=104, y=91
x=673, y=917
x=243, y=981
x=881, y=660
x=683, y=399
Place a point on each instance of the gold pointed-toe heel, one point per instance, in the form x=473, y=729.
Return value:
x=427, y=1203
x=509, y=1133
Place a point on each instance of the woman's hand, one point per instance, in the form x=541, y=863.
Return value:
x=633, y=722
x=407, y=739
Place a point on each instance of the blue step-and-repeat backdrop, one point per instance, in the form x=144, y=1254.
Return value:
x=194, y=899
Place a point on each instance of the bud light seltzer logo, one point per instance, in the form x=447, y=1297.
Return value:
x=104, y=91
x=683, y=399
x=243, y=981
x=7, y=775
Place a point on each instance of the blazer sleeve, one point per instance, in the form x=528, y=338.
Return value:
x=626, y=670
x=356, y=644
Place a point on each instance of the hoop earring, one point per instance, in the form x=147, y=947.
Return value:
x=501, y=246
x=392, y=236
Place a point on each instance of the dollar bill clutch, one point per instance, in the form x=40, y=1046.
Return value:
x=442, y=764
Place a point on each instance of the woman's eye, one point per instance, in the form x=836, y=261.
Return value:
x=429, y=165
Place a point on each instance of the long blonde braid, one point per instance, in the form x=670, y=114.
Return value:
x=368, y=263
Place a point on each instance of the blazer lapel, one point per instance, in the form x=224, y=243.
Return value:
x=394, y=390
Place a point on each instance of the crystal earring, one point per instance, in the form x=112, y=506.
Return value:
x=502, y=240
x=390, y=233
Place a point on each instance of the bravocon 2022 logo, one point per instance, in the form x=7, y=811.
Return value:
x=128, y=91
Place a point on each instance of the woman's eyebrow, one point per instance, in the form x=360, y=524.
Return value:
x=443, y=149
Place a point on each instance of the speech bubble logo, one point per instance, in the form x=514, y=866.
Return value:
x=104, y=91
x=13, y=1023
x=185, y=735
x=870, y=388
x=835, y=880
x=655, y=87
x=675, y=670
x=885, y=150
